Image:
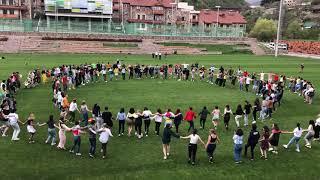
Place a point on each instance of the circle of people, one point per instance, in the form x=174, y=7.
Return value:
x=68, y=77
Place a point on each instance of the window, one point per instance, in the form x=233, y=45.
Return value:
x=144, y=17
x=183, y=19
x=194, y=17
x=11, y=11
x=138, y=7
x=4, y=2
x=138, y=16
x=10, y=2
x=5, y=11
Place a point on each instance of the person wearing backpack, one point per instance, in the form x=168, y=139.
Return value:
x=252, y=141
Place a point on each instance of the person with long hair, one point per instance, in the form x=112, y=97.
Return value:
x=30, y=127
x=177, y=119
x=84, y=110
x=76, y=131
x=92, y=129
x=62, y=133
x=192, y=147
x=237, y=140
x=226, y=116
x=166, y=139
x=215, y=116
x=131, y=116
x=51, y=131
x=253, y=140
x=203, y=116
x=274, y=138
x=310, y=134
x=264, y=146
x=211, y=145
x=138, y=124
x=238, y=115
x=190, y=116
x=256, y=108
x=297, y=133
x=247, y=110
x=121, y=117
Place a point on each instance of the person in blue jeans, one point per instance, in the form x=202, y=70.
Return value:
x=238, y=140
x=297, y=133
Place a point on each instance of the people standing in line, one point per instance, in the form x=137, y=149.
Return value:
x=211, y=145
x=192, y=147
x=247, y=111
x=238, y=140
x=274, y=138
x=92, y=128
x=105, y=134
x=62, y=133
x=178, y=117
x=51, y=131
x=72, y=110
x=121, y=117
x=238, y=115
x=310, y=134
x=253, y=140
x=203, y=117
x=215, y=117
x=131, y=116
x=166, y=139
x=158, y=120
x=146, y=115
x=297, y=133
x=264, y=146
x=190, y=116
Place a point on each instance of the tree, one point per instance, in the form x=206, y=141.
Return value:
x=264, y=30
x=294, y=30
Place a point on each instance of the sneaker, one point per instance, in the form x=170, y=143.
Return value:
x=71, y=151
x=119, y=135
x=164, y=157
x=103, y=157
x=78, y=154
x=270, y=149
x=237, y=162
x=4, y=135
x=275, y=152
x=146, y=135
x=193, y=163
x=122, y=134
x=168, y=154
x=285, y=146
x=135, y=133
x=16, y=139
x=90, y=155
x=298, y=150
x=52, y=144
x=308, y=146
x=46, y=142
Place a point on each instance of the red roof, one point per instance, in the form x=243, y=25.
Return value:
x=148, y=3
x=225, y=17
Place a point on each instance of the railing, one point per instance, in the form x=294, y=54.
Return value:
x=104, y=27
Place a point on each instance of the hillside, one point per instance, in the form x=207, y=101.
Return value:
x=210, y=4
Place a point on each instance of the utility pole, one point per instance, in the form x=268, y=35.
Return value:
x=278, y=30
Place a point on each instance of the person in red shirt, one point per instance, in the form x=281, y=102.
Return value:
x=64, y=80
x=190, y=115
x=276, y=77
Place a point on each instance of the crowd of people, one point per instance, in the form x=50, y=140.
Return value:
x=67, y=77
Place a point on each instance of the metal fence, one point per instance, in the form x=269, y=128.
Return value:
x=116, y=28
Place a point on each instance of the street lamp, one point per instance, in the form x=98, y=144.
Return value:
x=278, y=30
x=217, y=19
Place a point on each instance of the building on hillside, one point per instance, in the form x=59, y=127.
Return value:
x=17, y=9
x=222, y=22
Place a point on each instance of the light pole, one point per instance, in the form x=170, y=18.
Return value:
x=217, y=20
x=278, y=30
x=56, y=16
x=172, y=23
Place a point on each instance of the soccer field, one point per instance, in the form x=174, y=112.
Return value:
x=133, y=158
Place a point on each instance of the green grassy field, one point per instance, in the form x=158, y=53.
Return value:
x=132, y=158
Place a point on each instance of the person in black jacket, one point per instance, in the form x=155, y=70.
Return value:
x=166, y=139
x=107, y=117
x=253, y=140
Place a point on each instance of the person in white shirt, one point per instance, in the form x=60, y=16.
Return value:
x=13, y=119
x=158, y=120
x=238, y=141
x=297, y=133
x=192, y=147
x=73, y=107
x=146, y=116
x=105, y=134
x=310, y=133
x=104, y=74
